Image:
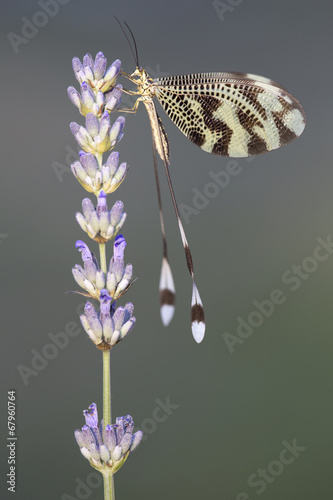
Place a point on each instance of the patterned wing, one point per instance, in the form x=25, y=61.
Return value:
x=231, y=114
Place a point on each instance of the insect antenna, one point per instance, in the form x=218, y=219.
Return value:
x=135, y=46
x=134, y=52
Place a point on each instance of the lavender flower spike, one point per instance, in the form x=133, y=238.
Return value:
x=119, y=276
x=107, y=449
x=104, y=445
x=91, y=278
x=108, y=326
x=98, y=136
x=93, y=178
x=95, y=73
x=98, y=90
x=101, y=224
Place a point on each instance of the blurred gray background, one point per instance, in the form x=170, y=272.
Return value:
x=233, y=411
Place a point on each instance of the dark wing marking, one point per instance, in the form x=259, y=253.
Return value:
x=231, y=114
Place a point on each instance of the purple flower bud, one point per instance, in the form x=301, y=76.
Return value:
x=78, y=68
x=113, y=161
x=117, y=452
x=91, y=416
x=116, y=131
x=113, y=98
x=136, y=440
x=101, y=206
x=110, y=437
x=126, y=442
x=129, y=309
x=92, y=125
x=104, y=453
x=105, y=304
x=87, y=435
x=118, y=317
x=88, y=61
x=90, y=269
x=99, y=65
x=83, y=248
x=88, y=96
x=116, y=212
x=107, y=449
x=74, y=128
x=104, y=125
x=89, y=162
x=119, y=247
x=120, y=431
x=113, y=70
x=90, y=312
x=100, y=279
x=94, y=453
x=79, y=438
x=74, y=96
x=87, y=207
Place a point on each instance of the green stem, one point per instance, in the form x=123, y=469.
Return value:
x=107, y=419
x=107, y=416
x=108, y=487
x=102, y=255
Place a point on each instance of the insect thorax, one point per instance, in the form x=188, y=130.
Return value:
x=144, y=82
